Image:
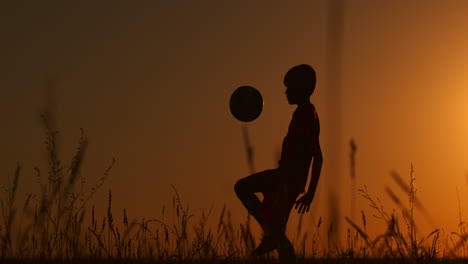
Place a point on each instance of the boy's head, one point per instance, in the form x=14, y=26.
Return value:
x=300, y=82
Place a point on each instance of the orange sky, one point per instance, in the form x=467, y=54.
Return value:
x=150, y=84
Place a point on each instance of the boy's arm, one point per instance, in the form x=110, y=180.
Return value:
x=303, y=204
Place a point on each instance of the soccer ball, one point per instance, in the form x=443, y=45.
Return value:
x=246, y=103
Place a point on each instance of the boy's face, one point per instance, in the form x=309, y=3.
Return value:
x=293, y=94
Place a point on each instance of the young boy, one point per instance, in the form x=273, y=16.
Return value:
x=281, y=186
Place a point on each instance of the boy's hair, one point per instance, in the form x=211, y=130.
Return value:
x=301, y=76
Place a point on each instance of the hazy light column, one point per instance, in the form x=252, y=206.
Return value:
x=333, y=108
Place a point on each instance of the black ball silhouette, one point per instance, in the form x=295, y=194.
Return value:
x=246, y=103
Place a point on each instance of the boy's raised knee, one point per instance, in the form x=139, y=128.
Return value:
x=238, y=187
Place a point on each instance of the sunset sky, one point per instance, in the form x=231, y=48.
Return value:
x=150, y=82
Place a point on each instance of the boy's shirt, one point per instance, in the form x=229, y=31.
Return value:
x=300, y=145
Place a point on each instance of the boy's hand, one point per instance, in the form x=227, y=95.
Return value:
x=303, y=203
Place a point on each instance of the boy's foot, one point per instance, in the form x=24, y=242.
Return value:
x=268, y=244
x=286, y=252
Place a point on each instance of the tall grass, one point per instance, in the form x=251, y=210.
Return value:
x=58, y=227
x=60, y=223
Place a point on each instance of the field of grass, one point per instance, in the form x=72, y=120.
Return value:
x=57, y=225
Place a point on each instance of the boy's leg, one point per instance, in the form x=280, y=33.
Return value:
x=247, y=187
x=278, y=205
x=272, y=213
x=286, y=252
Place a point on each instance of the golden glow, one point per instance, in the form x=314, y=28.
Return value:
x=151, y=86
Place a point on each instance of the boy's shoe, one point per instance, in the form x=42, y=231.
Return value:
x=286, y=252
x=268, y=244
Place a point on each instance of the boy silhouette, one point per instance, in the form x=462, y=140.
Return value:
x=282, y=186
